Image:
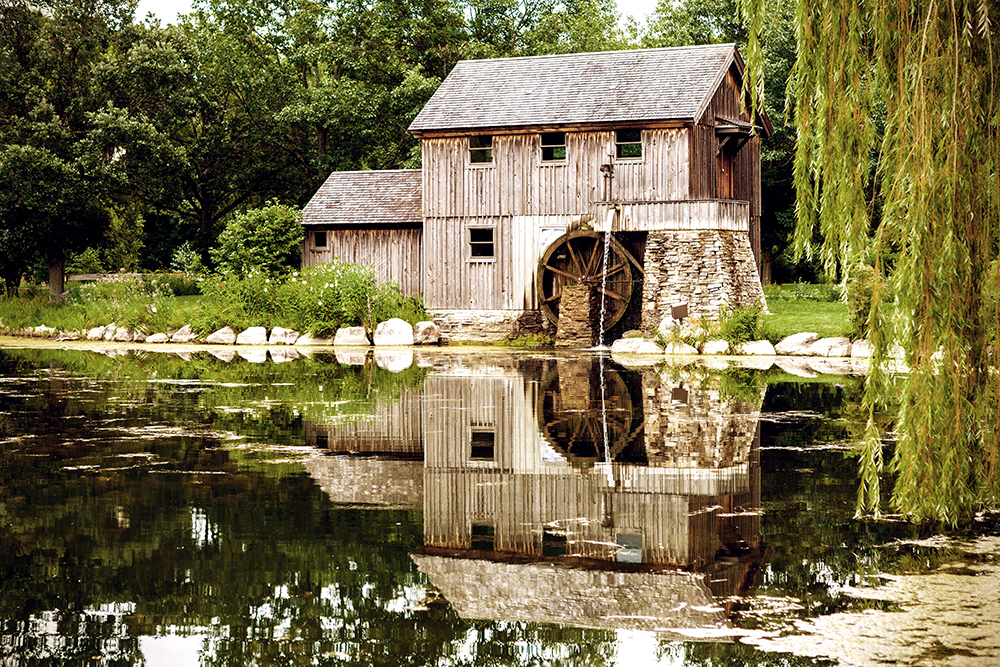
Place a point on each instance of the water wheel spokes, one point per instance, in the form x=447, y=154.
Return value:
x=578, y=257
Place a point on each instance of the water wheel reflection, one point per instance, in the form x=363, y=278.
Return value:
x=576, y=400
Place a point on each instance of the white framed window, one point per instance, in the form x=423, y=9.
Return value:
x=553, y=147
x=482, y=244
x=628, y=144
x=481, y=149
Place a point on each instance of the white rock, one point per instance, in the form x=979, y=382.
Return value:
x=761, y=348
x=182, y=335
x=393, y=332
x=97, y=333
x=830, y=347
x=282, y=336
x=861, y=349
x=675, y=348
x=42, y=331
x=138, y=337
x=635, y=346
x=796, y=343
x=157, y=338
x=715, y=347
x=307, y=339
x=351, y=336
x=281, y=356
x=395, y=361
x=109, y=331
x=254, y=356
x=799, y=367
x=123, y=335
x=426, y=333
x=252, y=336
x=224, y=336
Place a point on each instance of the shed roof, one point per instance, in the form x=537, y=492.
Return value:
x=579, y=88
x=391, y=196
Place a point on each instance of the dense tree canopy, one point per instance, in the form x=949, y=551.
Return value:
x=897, y=108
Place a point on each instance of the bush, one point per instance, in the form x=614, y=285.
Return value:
x=740, y=325
x=858, y=296
x=267, y=240
x=131, y=300
x=186, y=259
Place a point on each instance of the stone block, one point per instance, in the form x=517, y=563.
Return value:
x=224, y=336
x=158, y=338
x=182, y=335
x=861, y=349
x=715, y=347
x=635, y=346
x=677, y=348
x=830, y=347
x=109, y=332
x=97, y=333
x=252, y=336
x=351, y=336
x=282, y=336
x=393, y=332
x=122, y=335
x=426, y=333
x=796, y=344
x=756, y=348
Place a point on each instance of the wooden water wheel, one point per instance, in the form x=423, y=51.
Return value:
x=573, y=408
x=579, y=257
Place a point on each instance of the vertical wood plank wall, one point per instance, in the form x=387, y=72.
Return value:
x=395, y=254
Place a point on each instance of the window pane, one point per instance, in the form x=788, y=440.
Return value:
x=628, y=136
x=553, y=153
x=481, y=156
x=629, y=150
x=481, y=141
x=554, y=139
x=481, y=235
x=319, y=239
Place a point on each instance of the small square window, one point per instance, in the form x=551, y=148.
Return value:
x=319, y=239
x=481, y=245
x=483, y=444
x=481, y=149
x=554, y=147
x=628, y=144
x=484, y=536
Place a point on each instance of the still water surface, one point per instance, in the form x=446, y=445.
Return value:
x=474, y=508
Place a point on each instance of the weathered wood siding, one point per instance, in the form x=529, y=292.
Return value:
x=519, y=183
x=394, y=426
x=679, y=215
x=394, y=253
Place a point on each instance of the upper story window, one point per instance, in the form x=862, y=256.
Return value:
x=628, y=144
x=319, y=239
x=481, y=243
x=481, y=149
x=554, y=147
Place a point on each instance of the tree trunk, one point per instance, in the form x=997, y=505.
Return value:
x=57, y=275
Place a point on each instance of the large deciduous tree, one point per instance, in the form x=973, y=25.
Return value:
x=930, y=70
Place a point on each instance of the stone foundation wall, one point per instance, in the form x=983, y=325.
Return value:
x=579, y=315
x=490, y=325
x=705, y=269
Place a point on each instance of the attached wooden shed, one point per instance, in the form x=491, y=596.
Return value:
x=371, y=218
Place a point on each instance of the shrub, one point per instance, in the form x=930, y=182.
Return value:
x=131, y=300
x=186, y=259
x=267, y=240
x=858, y=296
x=740, y=325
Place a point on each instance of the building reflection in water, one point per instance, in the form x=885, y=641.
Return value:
x=569, y=490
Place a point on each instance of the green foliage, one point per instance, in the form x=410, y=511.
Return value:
x=898, y=121
x=862, y=286
x=802, y=291
x=88, y=261
x=128, y=299
x=739, y=325
x=789, y=316
x=266, y=240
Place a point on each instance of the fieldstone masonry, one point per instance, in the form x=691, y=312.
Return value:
x=579, y=316
x=490, y=325
x=705, y=269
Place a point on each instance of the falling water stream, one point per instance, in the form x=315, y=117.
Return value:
x=604, y=285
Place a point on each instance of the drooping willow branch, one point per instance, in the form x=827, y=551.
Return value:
x=897, y=108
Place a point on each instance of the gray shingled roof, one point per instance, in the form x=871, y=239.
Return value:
x=367, y=197
x=577, y=88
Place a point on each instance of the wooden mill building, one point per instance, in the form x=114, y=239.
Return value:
x=526, y=162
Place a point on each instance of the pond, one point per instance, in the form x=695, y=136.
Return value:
x=462, y=507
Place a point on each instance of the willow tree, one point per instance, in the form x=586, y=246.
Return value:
x=897, y=109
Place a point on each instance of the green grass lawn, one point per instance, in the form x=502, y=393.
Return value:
x=789, y=316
